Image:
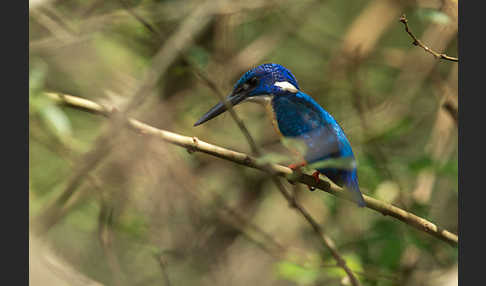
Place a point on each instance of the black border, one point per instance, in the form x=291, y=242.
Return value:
x=471, y=142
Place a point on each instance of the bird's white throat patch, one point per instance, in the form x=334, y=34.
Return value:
x=287, y=86
x=261, y=99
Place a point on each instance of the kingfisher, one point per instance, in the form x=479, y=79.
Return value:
x=297, y=116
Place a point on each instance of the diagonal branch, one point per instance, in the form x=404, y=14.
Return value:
x=193, y=144
x=419, y=43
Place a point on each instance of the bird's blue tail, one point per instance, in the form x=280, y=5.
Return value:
x=351, y=183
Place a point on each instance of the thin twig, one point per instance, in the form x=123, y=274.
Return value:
x=419, y=43
x=163, y=268
x=105, y=236
x=139, y=18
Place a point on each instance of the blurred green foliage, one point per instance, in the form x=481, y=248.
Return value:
x=153, y=212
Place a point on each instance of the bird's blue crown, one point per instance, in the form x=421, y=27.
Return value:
x=267, y=75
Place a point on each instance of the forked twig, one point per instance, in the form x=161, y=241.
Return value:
x=419, y=43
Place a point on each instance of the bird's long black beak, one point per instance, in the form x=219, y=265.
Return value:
x=233, y=99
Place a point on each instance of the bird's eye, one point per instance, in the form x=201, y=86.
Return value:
x=253, y=81
x=249, y=84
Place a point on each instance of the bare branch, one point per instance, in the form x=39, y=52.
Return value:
x=419, y=43
x=193, y=144
x=105, y=236
x=163, y=268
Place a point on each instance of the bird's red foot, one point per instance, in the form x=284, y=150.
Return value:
x=296, y=166
x=316, y=177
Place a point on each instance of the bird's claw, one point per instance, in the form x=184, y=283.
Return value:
x=296, y=169
x=316, y=177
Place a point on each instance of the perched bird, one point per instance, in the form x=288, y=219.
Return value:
x=296, y=115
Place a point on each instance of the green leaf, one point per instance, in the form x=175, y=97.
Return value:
x=421, y=163
x=296, y=273
x=347, y=163
x=450, y=168
x=133, y=225
x=391, y=252
x=397, y=131
x=56, y=119
x=310, y=272
x=352, y=261
x=433, y=15
x=426, y=162
x=390, y=244
x=37, y=75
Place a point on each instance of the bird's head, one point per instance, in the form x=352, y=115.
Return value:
x=257, y=84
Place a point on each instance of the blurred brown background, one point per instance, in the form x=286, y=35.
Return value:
x=144, y=212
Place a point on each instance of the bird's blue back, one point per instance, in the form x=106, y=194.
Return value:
x=300, y=116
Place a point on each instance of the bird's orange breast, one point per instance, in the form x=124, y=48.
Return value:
x=273, y=118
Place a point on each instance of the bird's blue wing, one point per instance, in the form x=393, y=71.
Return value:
x=300, y=117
